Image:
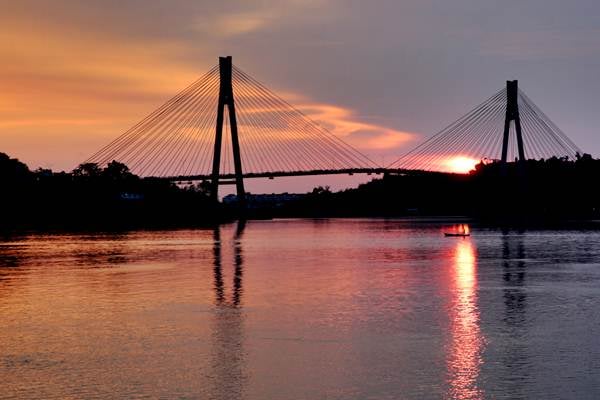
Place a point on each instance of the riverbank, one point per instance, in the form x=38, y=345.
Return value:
x=550, y=192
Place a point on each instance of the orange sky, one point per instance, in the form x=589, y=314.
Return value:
x=65, y=91
x=65, y=94
x=383, y=75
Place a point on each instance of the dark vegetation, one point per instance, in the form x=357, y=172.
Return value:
x=91, y=197
x=544, y=191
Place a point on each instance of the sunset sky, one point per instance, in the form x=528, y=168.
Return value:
x=382, y=74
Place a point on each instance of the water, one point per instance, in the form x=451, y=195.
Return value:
x=301, y=309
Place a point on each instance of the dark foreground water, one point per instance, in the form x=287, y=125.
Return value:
x=301, y=309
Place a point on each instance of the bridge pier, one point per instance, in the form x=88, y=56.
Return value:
x=226, y=99
x=512, y=114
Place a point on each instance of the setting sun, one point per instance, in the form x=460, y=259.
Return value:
x=460, y=164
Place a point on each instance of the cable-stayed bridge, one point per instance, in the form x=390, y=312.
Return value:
x=507, y=126
x=227, y=126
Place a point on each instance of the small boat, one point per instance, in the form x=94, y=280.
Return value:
x=464, y=234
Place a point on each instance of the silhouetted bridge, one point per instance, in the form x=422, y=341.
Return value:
x=205, y=133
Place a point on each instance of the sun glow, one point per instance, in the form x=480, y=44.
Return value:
x=460, y=164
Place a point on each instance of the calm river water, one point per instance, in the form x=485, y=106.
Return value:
x=301, y=309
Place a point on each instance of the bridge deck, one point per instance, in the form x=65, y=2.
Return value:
x=277, y=174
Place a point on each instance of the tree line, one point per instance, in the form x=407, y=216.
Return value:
x=532, y=191
x=91, y=196
x=95, y=197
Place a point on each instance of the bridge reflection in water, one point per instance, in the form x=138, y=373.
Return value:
x=464, y=356
x=238, y=260
x=229, y=372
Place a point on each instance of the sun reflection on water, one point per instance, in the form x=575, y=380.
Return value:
x=467, y=342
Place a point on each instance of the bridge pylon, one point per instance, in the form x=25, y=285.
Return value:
x=226, y=99
x=512, y=114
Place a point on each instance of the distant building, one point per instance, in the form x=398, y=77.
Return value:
x=131, y=196
x=272, y=200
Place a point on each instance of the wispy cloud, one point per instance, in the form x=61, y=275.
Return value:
x=238, y=24
x=348, y=126
x=257, y=17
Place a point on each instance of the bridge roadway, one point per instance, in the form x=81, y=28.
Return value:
x=230, y=178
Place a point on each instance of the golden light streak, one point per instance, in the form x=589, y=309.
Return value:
x=467, y=341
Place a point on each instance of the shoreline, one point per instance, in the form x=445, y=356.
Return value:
x=474, y=224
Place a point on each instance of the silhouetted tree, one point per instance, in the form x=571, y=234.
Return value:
x=87, y=170
x=12, y=168
x=116, y=171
